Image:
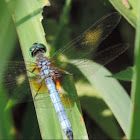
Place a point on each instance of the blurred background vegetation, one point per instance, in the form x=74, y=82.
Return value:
x=99, y=120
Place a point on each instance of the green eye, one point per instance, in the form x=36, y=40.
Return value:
x=35, y=48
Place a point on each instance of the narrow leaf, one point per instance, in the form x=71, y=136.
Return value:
x=27, y=17
x=113, y=94
x=125, y=75
x=96, y=108
x=128, y=8
x=135, y=114
x=8, y=39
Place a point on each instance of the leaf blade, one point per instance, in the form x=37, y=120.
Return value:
x=27, y=15
x=113, y=94
x=130, y=14
x=135, y=112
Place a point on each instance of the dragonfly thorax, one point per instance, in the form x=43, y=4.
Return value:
x=45, y=67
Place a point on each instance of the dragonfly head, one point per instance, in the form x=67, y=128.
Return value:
x=36, y=49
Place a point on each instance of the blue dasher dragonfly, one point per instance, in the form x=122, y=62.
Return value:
x=46, y=74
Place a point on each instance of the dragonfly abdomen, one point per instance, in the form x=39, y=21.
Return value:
x=59, y=108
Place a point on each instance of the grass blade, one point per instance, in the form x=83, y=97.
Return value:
x=125, y=75
x=113, y=94
x=8, y=39
x=135, y=114
x=93, y=104
x=130, y=14
x=27, y=15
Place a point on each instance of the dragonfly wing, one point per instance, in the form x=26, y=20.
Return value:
x=16, y=81
x=15, y=73
x=86, y=44
x=14, y=78
x=99, y=59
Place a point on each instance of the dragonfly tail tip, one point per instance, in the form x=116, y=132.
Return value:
x=70, y=134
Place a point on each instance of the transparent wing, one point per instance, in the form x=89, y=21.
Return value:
x=14, y=78
x=16, y=81
x=85, y=45
x=102, y=58
x=81, y=49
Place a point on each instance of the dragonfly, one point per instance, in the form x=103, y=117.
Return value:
x=46, y=73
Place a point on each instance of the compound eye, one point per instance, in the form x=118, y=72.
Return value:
x=35, y=48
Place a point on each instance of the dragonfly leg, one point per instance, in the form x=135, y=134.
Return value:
x=33, y=70
x=38, y=91
x=59, y=71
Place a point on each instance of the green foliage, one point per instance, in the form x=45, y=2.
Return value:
x=8, y=40
x=125, y=75
x=102, y=97
x=135, y=112
x=97, y=109
x=29, y=28
x=113, y=94
x=128, y=8
x=30, y=131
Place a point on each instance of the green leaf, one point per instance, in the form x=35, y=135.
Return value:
x=30, y=131
x=125, y=75
x=96, y=108
x=8, y=39
x=130, y=14
x=62, y=29
x=27, y=16
x=112, y=93
x=135, y=92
